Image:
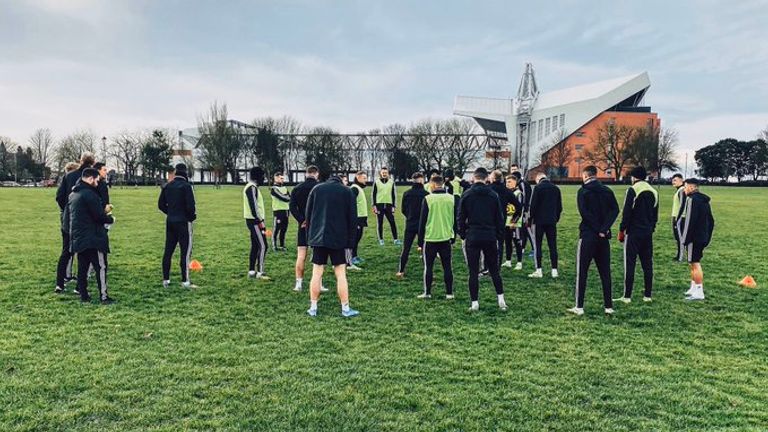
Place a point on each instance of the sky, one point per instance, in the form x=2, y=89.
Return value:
x=108, y=66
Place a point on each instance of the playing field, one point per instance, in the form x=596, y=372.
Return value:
x=238, y=354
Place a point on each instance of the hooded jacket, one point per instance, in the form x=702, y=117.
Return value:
x=177, y=200
x=546, y=204
x=66, y=185
x=699, y=224
x=86, y=219
x=598, y=209
x=331, y=215
x=411, y=206
x=481, y=217
x=641, y=210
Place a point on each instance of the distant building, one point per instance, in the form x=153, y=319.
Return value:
x=531, y=122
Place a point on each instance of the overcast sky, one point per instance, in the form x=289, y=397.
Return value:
x=357, y=65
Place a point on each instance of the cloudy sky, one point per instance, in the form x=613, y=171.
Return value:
x=357, y=65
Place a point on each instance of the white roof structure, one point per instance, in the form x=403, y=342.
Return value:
x=532, y=119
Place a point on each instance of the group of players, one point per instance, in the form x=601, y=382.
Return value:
x=491, y=215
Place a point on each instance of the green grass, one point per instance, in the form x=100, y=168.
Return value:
x=238, y=354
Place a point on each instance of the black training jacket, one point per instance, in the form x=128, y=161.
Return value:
x=699, y=222
x=504, y=194
x=177, y=200
x=598, y=209
x=86, y=219
x=526, y=189
x=481, y=217
x=299, y=196
x=640, y=214
x=103, y=190
x=411, y=206
x=546, y=204
x=65, y=186
x=331, y=215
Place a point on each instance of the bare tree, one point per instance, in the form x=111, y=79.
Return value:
x=220, y=143
x=126, y=150
x=72, y=147
x=41, y=143
x=463, y=150
x=611, y=147
x=557, y=155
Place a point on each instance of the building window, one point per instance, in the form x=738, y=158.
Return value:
x=580, y=134
x=547, y=126
x=562, y=120
x=579, y=147
x=541, y=128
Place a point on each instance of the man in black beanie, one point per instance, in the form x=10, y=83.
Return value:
x=638, y=221
x=177, y=202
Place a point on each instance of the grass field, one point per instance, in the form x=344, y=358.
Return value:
x=242, y=355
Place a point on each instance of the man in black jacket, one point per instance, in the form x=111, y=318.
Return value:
x=331, y=220
x=696, y=234
x=545, y=208
x=638, y=222
x=411, y=209
x=177, y=201
x=506, y=196
x=526, y=191
x=254, y=212
x=481, y=225
x=86, y=217
x=298, y=209
x=66, y=258
x=598, y=209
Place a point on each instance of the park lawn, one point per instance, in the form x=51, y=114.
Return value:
x=239, y=354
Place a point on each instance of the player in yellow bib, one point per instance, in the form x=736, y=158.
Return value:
x=384, y=197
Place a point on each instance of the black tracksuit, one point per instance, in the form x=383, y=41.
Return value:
x=527, y=191
x=481, y=225
x=638, y=222
x=505, y=197
x=545, y=209
x=256, y=229
x=413, y=199
x=385, y=210
x=699, y=225
x=598, y=209
x=281, y=219
x=513, y=235
x=298, y=207
x=86, y=218
x=432, y=249
x=177, y=201
x=676, y=222
x=66, y=258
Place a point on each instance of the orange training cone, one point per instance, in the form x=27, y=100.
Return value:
x=195, y=266
x=269, y=233
x=748, y=282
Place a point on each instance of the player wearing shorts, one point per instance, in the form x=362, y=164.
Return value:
x=696, y=234
x=298, y=208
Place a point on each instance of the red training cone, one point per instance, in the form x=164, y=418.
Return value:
x=748, y=282
x=195, y=266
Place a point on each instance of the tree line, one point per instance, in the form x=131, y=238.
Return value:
x=729, y=158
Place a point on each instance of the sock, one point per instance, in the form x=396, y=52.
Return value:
x=475, y=305
x=298, y=282
x=313, y=305
x=345, y=307
x=501, y=298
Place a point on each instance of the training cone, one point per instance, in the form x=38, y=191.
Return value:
x=748, y=282
x=195, y=266
x=269, y=233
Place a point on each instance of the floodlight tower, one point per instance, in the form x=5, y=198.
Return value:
x=527, y=94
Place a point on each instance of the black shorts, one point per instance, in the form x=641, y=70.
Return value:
x=301, y=237
x=695, y=252
x=320, y=256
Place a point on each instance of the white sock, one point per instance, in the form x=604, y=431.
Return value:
x=313, y=305
x=475, y=305
x=298, y=282
x=501, y=298
x=345, y=307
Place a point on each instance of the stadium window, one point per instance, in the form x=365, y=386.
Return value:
x=562, y=120
x=579, y=147
x=541, y=128
x=547, y=125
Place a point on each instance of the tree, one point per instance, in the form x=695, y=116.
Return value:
x=557, y=155
x=323, y=149
x=156, y=154
x=269, y=150
x=41, y=143
x=6, y=158
x=72, y=147
x=610, y=150
x=710, y=161
x=463, y=150
x=220, y=143
x=126, y=150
